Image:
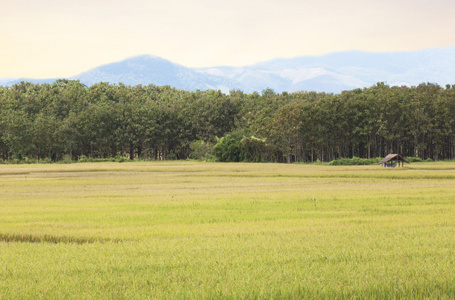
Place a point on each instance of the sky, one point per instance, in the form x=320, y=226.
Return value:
x=61, y=38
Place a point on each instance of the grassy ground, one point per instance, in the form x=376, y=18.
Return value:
x=213, y=230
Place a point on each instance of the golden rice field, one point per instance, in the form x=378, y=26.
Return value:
x=193, y=230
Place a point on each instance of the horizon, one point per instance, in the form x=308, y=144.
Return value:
x=216, y=66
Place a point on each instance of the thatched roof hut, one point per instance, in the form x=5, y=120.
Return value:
x=392, y=159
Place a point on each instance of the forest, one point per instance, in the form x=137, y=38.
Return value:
x=67, y=120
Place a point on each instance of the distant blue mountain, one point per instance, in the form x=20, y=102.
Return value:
x=148, y=69
x=327, y=73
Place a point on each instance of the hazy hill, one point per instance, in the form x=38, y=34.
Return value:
x=147, y=69
x=345, y=70
x=329, y=73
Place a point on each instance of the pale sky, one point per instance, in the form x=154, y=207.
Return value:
x=61, y=38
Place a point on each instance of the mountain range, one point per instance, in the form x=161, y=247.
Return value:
x=331, y=73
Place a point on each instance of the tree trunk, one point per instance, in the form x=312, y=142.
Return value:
x=131, y=151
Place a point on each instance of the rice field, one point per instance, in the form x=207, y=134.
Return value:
x=194, y=230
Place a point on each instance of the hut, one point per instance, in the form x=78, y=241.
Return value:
x=391, y=160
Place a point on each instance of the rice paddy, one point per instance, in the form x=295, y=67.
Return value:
x=194, y=230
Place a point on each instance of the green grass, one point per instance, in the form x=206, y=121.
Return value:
x=212, y=230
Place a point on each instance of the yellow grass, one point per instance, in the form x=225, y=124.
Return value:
x=213, y=230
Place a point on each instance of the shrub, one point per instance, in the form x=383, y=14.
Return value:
x=414, y=159
x=253, y=149
x=27, y=160
x=172, y=155
x=83, y=158
x=227, y=148
x=118, y=158
x=121, y=159
x=354, y=161
x=46, y=160
x=66, y=159
x=201, y=150
x=14, y=161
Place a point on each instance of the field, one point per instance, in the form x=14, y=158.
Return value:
x=212, y=230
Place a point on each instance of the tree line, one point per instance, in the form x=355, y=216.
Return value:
x=67, y=119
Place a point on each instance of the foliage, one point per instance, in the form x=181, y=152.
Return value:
x=236, y=147
x=227, y=148
x=201, y=150
x=254, y=149
x=68, y=119
x=414, y=159
x=355, y=161
x=84, y=158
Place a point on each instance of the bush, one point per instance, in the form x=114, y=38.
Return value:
x=319, y=162
x=201, y=150
x=121, y=159
x=172, y=155
x=418, y=159
x=14, y=161
x=240, y=146
x=83, y=158
x=25, y=160
x=118, y=158
x=227, y=148
x=253, y=149
x=46, y=160
x=414, y=159
x=66, y=159
x=354, y=161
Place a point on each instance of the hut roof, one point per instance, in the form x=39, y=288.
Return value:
x=390, y=157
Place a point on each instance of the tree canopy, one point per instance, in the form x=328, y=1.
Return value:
x=69, y=119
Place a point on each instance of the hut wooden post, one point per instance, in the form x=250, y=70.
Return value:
x=389, y=159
